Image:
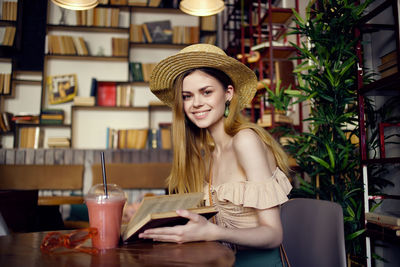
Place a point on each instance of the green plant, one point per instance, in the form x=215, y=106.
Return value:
x=279, y=98
x=327, y=79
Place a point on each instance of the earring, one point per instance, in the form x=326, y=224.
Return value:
x=226, y=113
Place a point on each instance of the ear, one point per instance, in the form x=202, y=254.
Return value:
x=229, y=93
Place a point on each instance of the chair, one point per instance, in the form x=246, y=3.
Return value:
x=20, y=179
x=148, y=175
x=313, y=233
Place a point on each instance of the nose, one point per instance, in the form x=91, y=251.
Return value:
x=197, y=101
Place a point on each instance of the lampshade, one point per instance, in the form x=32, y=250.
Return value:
x=202, y=7
x=76, y=4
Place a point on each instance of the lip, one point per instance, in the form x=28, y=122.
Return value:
x=200, y=114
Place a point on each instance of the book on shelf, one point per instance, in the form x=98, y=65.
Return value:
x=119, y=47
x=185, y=34
x=98, y=16
x=106, y=94
x=9, y=10
x=7, y=35
x=136, y=33
x=208, y=23
x=147, y=68
x=5, y=83
x=84, y=101
x=31, y=137
x=58, y=142
x=160, y=211
x=126, y=138
x=52, y=116
x=154, y=3
x=165, y=135
x=7, y=123
x=23, y=118
x=125, y=94
x=159, y=31
x=137, y=2
x=146, y=34
x=136, y=71
x=391, y=218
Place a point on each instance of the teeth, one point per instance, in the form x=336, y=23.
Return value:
x=200, y=113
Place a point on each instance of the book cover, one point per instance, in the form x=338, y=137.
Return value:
x=61, y=88
x=136, y=71
x=106, y=94
x=160, y=31
x=159, y=211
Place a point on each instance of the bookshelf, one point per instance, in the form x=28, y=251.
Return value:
x=100, y=63
x=379, y=146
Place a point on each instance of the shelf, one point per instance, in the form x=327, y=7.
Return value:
x=143, y=9
x=386, y=86
x=7, y=22
x=27, y=82
x=279, y=16
x=383, y=232
x=381, y=161
x=74, y=108
x=91, y=58
x=158, y=45
x=44, y=125
x=87, y=28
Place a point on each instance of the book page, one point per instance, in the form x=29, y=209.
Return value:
x=165, y=203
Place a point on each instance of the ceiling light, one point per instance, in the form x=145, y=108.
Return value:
x=76, y=4
x=202, y=7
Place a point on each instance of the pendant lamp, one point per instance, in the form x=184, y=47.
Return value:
x=76, y=4
x=202, y=7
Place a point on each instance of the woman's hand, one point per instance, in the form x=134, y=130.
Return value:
x=198, y=228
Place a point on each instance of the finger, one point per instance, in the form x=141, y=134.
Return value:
x=189, y=215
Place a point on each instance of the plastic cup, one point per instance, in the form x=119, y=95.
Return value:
x=105, y=214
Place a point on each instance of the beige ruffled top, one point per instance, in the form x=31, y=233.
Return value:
x=237, y=201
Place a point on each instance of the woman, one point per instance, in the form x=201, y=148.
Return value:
x=240, y=168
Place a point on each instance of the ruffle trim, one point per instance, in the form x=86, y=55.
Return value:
x=260, y=195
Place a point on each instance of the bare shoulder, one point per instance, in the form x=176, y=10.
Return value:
x=246, y=139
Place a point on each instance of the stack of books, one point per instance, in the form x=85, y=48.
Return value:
x=9, y=10
x=119, y=47
x=52, y=116
x=66, y=45
x=5, y=83
x=84, y=101
x=266, y=120
x=58, y=142
x=23, y=118
x=141, y=72
x=126, y=138
x=388, y=64
x=99, y=16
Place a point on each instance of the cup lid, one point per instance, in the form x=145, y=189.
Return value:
x=96, y=192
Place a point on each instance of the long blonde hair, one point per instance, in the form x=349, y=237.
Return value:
x=193, y=145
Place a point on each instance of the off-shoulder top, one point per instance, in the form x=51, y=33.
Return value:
x=237, y=201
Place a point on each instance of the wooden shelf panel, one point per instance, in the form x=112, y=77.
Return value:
x=27, y=82
x=278, y=16
x=386, y=86
x=143, y=9
x=158, y=46
x=74, y=108
x=381, y=161
x=89, y=58
x=87, y=28
x=43, y=125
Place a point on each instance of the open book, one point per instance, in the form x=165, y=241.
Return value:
x=160, y=211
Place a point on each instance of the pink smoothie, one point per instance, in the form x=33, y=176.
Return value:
x=106, y=215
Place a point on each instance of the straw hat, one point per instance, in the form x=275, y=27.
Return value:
x=196, y=56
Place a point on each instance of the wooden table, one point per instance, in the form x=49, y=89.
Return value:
x=24, y=250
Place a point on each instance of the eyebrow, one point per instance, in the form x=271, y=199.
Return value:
x=200, y=89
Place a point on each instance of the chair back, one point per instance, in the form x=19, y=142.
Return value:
x=313, y=233
x=149, y=175
x=41, y=177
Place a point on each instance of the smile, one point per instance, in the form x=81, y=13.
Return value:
x=200, y=114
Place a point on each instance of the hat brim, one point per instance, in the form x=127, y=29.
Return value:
x=166, y=71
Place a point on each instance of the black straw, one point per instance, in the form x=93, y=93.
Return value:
x=104, y=174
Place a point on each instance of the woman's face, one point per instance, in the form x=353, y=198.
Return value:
x=204, y=99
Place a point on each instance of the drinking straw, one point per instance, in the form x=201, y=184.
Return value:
x=104, y=174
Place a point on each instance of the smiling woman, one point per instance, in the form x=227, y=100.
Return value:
x=240, y=168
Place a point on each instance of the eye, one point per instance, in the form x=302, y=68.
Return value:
x=185, y=97
x=207, y=92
